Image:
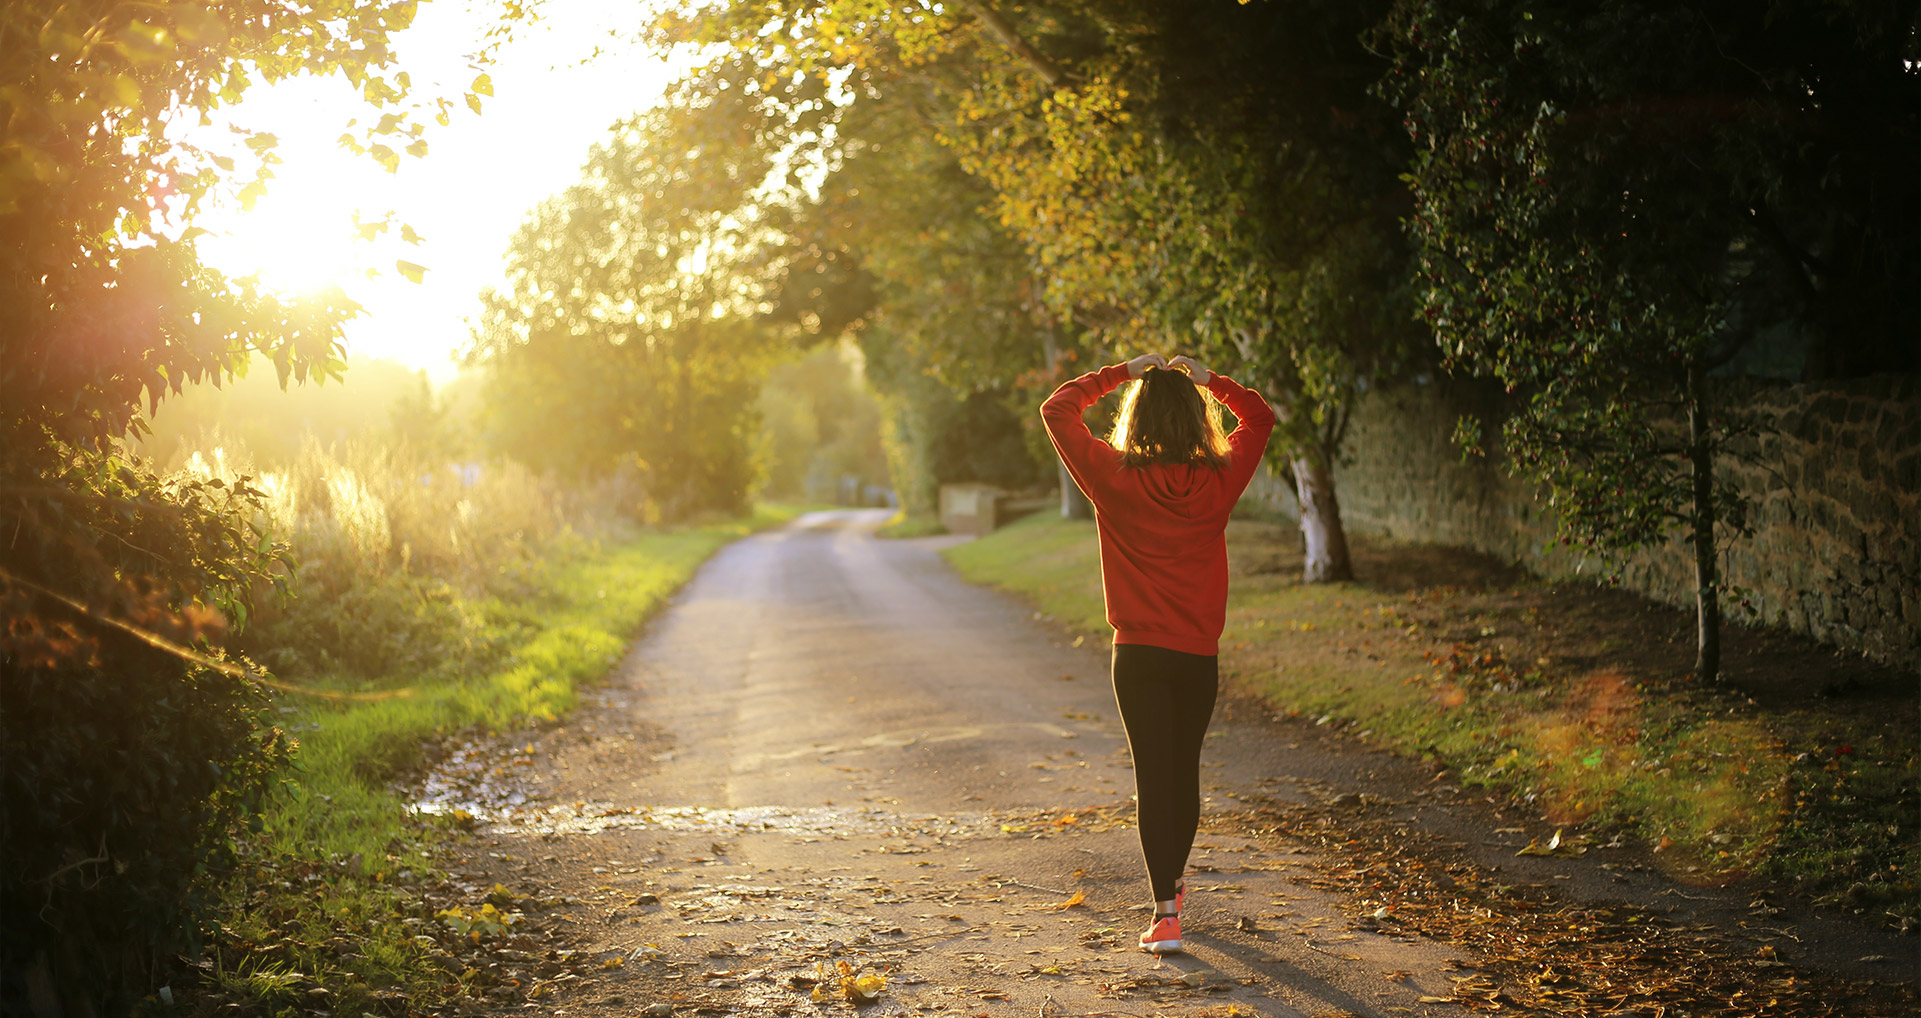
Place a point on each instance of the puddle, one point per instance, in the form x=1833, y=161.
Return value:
x=824, y=821
x=475, y=778
x=479, y=780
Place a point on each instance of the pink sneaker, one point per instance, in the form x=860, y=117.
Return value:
x=1164, y=937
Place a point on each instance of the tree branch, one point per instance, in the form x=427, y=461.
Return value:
x=999, y=28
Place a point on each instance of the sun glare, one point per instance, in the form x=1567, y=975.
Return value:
x=459, y=204
x=297, y=241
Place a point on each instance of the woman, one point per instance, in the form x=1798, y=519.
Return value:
x=1162, y=488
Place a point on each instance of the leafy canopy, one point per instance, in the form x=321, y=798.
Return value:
x=1609, y=198
x=631, y=332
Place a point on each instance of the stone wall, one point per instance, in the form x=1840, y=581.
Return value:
x=1834, y=478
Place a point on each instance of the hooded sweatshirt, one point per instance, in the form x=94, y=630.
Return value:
x=1162, y=527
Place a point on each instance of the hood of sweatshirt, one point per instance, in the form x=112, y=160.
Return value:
x=1186, y=491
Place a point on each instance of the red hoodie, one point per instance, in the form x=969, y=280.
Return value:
x=1163, y=549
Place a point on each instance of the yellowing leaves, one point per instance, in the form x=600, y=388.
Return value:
x=1079, y=899
x=848, y=983
x=487, y=921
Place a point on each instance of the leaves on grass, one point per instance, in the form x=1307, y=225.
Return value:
x=487, y=921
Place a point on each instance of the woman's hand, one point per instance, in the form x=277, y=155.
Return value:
x=1139, y=365
x=1195, y=370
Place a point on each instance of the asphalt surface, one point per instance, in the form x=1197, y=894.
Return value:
x=828, y=749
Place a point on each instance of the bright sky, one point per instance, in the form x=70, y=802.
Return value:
x=465, y=197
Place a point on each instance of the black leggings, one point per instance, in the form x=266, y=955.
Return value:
x=1166, y=698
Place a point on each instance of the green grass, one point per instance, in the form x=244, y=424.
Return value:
x=339, y=848
x=1470, y=678
x=1051, y=561
x=903, y=525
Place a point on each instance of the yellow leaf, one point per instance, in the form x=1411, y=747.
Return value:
x=414, y=272
x=864, y=989
x=483, y=85
x=1079, y=898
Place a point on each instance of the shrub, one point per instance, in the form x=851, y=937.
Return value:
x=123, y=764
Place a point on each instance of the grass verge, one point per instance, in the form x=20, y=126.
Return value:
x=328, y=902
x=903, y=525
x=1803, y=769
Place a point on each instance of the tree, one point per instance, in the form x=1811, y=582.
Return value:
x=1611, y=202
x=130, y=747
x=955, y=331
x=631, y=335
x=820, y=423
x=1215, y=177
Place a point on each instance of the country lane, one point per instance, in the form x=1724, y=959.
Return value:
x=829, y=749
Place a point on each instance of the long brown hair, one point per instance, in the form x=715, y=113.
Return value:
x=1165, y=419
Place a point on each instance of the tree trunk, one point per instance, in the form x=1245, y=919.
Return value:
x=1074, y=505
x=1327, y=559
x=1707, y=602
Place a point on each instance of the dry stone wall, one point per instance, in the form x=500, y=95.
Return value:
x=1833, y=475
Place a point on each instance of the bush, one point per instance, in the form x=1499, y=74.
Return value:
x=123, y=764
x=121, y=776
x=409, y=569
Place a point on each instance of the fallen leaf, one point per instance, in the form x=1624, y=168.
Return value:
x=1079, y=898
x=1556, y=846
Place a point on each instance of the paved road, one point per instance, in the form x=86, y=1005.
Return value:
x=828, y=748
